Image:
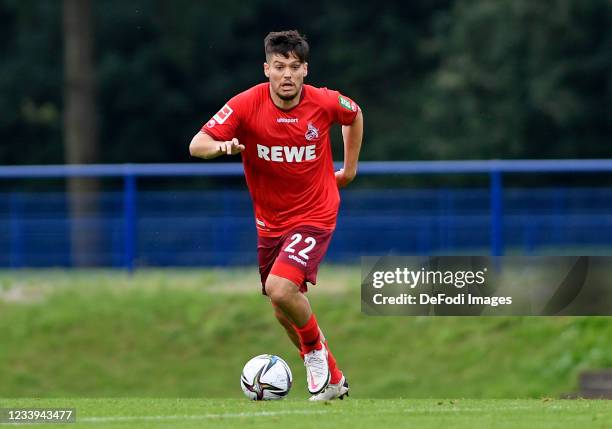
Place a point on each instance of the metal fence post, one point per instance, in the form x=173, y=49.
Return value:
x=497, y=221
x=129, y=219
x=16, y=231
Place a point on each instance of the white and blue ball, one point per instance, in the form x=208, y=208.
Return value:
x=266, y=377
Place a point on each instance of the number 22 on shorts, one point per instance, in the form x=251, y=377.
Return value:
x=296, y=239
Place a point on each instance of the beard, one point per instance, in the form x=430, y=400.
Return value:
x=289, y=97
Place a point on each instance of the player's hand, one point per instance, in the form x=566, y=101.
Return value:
x=344, y=177
x=232, y=147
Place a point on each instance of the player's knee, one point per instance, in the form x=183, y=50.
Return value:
x=280, y=290
x=277, y=293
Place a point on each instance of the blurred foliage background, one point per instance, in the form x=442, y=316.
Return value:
x=437, y=79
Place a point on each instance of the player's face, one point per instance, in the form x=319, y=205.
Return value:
x=286, y=75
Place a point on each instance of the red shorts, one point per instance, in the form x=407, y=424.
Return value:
x=295, y=255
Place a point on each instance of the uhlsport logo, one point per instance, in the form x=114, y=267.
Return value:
x=312, y=132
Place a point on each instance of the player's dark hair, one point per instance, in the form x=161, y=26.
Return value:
x=285, y=43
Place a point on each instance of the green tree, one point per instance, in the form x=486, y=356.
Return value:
x=81, y=127
x=30, y=82
x=520, y=79
x=436, y=79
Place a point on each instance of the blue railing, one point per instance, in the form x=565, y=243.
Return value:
x=442, y=225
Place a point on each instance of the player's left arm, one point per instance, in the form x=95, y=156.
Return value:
x=352, y=135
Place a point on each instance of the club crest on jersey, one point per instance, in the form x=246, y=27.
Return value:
x=222, y=115
x=312, y=132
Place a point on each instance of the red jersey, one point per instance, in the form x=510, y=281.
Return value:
x=287, y=160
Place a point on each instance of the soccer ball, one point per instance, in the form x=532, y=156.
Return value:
x=266, y=377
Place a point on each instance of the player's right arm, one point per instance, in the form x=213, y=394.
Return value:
x=218, y=136
x=204, y=146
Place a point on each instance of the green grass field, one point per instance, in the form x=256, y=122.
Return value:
x=187, y=334
x=353, y=413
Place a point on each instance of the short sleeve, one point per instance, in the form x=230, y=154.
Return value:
x=224, y=124
x=344, y=110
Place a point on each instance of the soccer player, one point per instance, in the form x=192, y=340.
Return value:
x=281, y=129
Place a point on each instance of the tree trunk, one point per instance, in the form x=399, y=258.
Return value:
x=80, y=129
